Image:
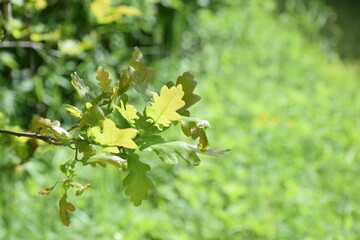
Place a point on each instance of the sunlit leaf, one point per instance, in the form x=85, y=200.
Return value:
x=99, y=8
x=165, y=105
x=113, y=137
x=105, y=13
x=137, y=183
x=74, y=111
x=116, y=13
x=128, y=112
x=103, y=78
x=47, y=126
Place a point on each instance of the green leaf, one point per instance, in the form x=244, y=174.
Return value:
x=111, y=137
x=103, y=159
x=83, y=90
x=128, y=112
x=147, y=140
x=85, y=148
x=65, y=208
x=139, y=74
x=92, y=117
x=74, y=111
x=164, y=107
x=137, y=182
x=136, y=75
x=125, y=82
x=170, y=152
x=103, y=78
x=195, y=128
x=188, y=85
x=211, y=152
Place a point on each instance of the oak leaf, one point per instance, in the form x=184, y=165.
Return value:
x=165, y=105
x=111, y=137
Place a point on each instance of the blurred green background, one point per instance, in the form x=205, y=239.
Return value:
x=279, y=81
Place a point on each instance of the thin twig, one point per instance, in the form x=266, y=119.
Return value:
x=48, y=139
x=73, y=127
x=28, y=44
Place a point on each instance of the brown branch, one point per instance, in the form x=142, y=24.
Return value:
x=28, y=44
x=48, y=139
x=73, y=127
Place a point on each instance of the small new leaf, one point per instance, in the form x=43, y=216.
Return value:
x=83, y=90
x=111, y=137
x=188, y=85
x=137, y=182
x=48, y=190
x=165, y=105
x=47, y=126
x=103, y=78
x=139, y=74
x=128, y=112
x=65, y=208
x=74, y=111
x=81, y=187
x=195, y=128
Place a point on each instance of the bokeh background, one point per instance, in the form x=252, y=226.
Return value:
x=279, y=81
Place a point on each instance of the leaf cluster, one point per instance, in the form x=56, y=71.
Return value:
x=110, y=130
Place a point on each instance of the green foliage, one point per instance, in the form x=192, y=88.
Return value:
x=97, y=129
x=137, y=183
x=188, y=84
x=271, y=87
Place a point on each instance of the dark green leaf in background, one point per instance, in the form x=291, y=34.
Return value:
x=137, y=183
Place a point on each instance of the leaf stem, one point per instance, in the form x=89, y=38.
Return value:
x=45, y=138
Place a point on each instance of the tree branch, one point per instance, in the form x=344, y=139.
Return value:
x=48, y=139
x=28, y=44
